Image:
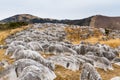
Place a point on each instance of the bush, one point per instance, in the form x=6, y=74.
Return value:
x=107, y=31
x=12, y=25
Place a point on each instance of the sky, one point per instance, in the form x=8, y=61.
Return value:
x=60, y=9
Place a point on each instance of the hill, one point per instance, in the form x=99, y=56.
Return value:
x=19, y=18
x=34, y=19
x=105, y=22
x=29, y=19
x=98, y=21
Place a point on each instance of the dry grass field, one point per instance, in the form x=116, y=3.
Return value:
x=112, y=42
x=73, y=35
x=5, y=33
x=65, y=74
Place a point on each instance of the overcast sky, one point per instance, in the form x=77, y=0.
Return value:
x=59, y=9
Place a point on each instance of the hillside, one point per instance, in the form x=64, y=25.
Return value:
x=33, y=19
x=19, y=18
x=28, y=18
x=98, y=21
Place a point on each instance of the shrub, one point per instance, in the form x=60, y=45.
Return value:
x=107, y=31
x=12, y=25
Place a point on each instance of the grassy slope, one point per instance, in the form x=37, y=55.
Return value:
x=112, y=42
x=5, y=33
x=74, y=33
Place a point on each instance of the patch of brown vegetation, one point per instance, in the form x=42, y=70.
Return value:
x=110, y=74
x=46, y=55
x=112, y=42
x=73, y=35
x=3, y=57
x=78, y=34
x=4, y=34
x=66, y=74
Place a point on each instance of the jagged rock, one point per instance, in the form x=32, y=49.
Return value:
x=89, y=73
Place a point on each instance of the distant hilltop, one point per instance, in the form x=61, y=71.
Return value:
x=98, y=21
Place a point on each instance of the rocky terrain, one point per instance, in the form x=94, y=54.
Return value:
x=44, y=48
